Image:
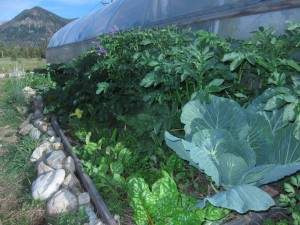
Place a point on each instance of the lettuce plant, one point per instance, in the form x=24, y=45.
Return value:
x=240, y=149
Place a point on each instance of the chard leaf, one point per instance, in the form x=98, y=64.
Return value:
x=241, y=198
x=140, y=200
x=184, y=149
x=219, y=113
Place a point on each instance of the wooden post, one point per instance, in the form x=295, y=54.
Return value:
x=84, y=178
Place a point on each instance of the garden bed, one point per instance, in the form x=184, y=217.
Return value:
x=143, y=100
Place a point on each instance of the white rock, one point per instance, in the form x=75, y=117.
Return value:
x=84, y=198
x=43, y=168
x=69, y=165
x=29, y=93
x=54, y=139
x=57, y=146
x=35, y=133
x=47, y=184
x=56, y=159
x=26, y=129
x=38, y=153
x=63, y=201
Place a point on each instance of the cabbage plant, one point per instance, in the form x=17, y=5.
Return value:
x=240, y=149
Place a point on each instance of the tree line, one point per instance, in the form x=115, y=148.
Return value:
x=14, y=51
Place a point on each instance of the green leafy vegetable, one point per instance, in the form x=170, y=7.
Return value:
x=239, y=149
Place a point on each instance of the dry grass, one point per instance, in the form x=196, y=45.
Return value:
x=7, y=65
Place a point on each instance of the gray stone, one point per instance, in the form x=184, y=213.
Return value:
x=57, y=146
x=41, y=125
x=72, y=183
x=35, y=133
x=38, y=153
x=43, y=168
x=24, y=124
x=84, y=198
x=47, y=184
x=61, y=202
x=90, y=213
x=48, y=152
x=69, y=165
x=51, y=131
x=26, y=129
x=56, y=159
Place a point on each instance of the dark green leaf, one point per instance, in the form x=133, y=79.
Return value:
x=148, y=80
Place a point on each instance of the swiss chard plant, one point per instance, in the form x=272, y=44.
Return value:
x=240, y=149
x=165, y=205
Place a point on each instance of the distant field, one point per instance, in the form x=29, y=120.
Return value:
x=7, y=65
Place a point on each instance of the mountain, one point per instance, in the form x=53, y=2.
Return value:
x=32, y=27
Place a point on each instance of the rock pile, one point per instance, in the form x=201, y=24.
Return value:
x=56, y=181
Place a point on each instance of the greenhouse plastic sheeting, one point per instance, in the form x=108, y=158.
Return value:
x=80, y=34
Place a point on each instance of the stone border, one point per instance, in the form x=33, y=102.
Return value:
x=57, y=166
x=84, y=178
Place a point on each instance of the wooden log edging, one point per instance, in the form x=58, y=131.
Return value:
x=97, y=200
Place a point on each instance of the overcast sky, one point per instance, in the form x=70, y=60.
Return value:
x=64, y=8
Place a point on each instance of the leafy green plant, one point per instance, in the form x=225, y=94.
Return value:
x=291, y=200
x=239, y=149
x=285, y=99
x=164, y=204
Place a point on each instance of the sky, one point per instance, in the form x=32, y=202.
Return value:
x=64, y=8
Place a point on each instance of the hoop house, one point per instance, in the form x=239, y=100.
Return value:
x=230, y=18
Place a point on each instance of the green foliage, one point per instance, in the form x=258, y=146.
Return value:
x=78, y=218
x=164, y=204
x=239, y=149
x=291, y=200
x=285, y=99
x=138, y=80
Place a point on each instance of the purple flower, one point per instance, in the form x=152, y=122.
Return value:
x=101, y=50
x=113, y=30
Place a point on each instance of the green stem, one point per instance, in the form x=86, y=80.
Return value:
x=213, y=187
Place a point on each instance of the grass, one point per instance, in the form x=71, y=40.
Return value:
x=16, y=171
x=21, y=64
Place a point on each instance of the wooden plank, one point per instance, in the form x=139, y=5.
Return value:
x=238, y=9
x=84, y=178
